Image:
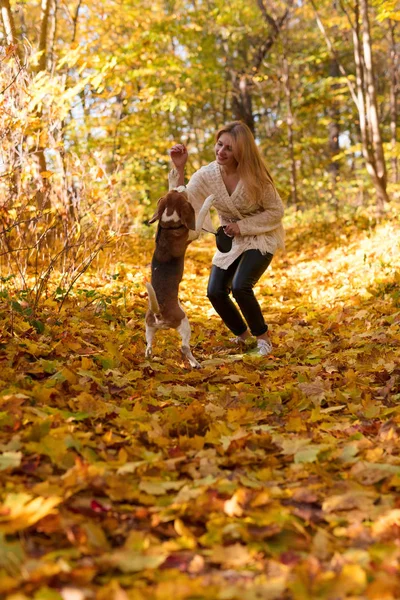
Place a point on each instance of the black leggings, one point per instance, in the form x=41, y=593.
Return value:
x=239, y=278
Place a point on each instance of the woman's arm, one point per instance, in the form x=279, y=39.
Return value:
x=179, y=156
x=197, y=188
x=268, y=219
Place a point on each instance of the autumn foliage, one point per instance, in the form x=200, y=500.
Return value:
x=273, y=478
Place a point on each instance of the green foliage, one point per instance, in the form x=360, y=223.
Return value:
x=129, y=79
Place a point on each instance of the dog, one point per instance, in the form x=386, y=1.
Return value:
x=177, y=227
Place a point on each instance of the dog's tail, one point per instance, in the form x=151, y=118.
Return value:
x=153, y=302
x=208, y=202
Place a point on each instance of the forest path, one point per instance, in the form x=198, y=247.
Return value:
x=124, y=478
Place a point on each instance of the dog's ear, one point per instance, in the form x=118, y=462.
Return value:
x=188, y=216
x=153, y=218
x=161, y=205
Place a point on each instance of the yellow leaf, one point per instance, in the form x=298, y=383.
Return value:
x=196, y=564
x=87, y=363
x=387, y=525
x=43, y=393
x=352, y=580
x=20, y=511
x=113, y=591
x=233, y=556
x=158, y=488
x=383, y=587
x=129, y=561
x=295, y=424
x=234, y=506
x=69, y=375
x=10, y=460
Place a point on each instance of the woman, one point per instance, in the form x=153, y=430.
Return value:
x=251, y=212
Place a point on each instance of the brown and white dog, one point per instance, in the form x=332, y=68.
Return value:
x=177, y=227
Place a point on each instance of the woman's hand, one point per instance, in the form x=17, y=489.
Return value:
x=232, y=229
x=179, y=155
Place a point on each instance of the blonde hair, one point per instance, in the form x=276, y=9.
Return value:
x=251, y=167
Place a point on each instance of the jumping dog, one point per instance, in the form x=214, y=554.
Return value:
x=177, y=227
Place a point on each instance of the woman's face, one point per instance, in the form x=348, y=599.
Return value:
x=224, y=151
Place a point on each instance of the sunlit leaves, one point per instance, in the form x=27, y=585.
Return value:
x=265, y=477
x=20, y=511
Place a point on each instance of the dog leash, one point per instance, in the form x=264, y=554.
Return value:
x=216, y=232
x=208, y=231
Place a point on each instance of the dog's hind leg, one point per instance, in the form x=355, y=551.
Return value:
x=150, y=333
x=185, y=332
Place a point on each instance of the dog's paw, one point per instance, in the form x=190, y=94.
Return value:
x=194, y=364
x=189, y=356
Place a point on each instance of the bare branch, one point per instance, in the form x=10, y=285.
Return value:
x=267, y=16
x=276, y=25
x=335, y=54
x=13, y=80
x=346, y=12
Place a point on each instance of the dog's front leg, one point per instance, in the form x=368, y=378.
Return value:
x=208, y=202
x=185, y=332
x=173, y=179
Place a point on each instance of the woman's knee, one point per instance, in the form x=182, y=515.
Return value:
x=242, y=290
x=216, y=293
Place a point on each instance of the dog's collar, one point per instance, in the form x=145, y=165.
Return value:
x=177, y=227
x=165, y=229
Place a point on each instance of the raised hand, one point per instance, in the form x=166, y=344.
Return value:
x=179, y=155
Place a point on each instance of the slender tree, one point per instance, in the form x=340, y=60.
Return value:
x=289, y=120
x=9, y=28
x=252, y=54
x=47, y=9
x=333, y=111
x=12, y=40
x=394, y=85
x=372, y=107
x=367, y=104
x=364, y=95
x=47, y=25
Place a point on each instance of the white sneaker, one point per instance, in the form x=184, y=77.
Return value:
x=237, y=340
x=264, y=347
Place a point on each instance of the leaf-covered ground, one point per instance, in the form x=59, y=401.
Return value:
x=273, y=478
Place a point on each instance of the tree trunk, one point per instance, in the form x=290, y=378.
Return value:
x=75, y=21
x=242, y=101
x=43, y=38
x=364, y=96
x=42, y=195
x=52, y=36
x=367, y=126
x=289, y=122
x=372, y=104
x=12, y=40
x=71, y=189
x=9, y=28
x=394, y=65
x=243, y=80
x=333, y=127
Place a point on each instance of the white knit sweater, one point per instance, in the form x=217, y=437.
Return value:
x=260, y=223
